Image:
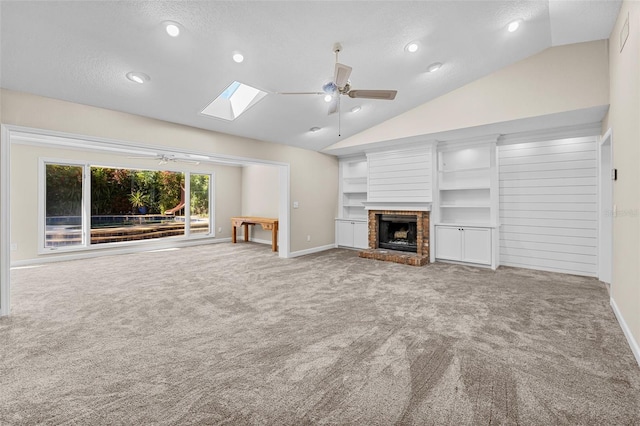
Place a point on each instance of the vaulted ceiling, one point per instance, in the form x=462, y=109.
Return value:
x=81, y=51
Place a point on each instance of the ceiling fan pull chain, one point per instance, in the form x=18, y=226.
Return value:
x=339, y=116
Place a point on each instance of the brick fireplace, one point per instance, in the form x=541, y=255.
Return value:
x=416, y=253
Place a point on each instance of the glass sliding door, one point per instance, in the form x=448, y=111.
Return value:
x=87, y=205
x=132, y=205
x=63, y=206
x=200, y=201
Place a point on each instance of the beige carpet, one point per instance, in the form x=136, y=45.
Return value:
x=231, y=334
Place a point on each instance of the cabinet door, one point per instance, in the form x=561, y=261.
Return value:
x=448, y=243
x=345, y=233
x=360, y=235
x=477, y=245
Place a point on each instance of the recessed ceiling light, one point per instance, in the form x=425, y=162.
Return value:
x=238, y=57
x=412, y=47
x=138, y=77
x=314, y=129
x=172, y=28
x=434, y=67
x=356, y=108
x=327, y=98
x=513, y=25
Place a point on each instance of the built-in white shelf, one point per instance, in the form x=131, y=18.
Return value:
x=467, y=198
x=463, y=187
x=465, y=206
x=464, y=169
x=353, y=188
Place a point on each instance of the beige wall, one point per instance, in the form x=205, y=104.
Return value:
x=260, y=196
x=559, y=79
x=24, y=190
x=313, y=176
x=624, y=121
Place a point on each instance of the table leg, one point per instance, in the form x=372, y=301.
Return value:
x=246, y=232
x=233, y=234
x=274, y=239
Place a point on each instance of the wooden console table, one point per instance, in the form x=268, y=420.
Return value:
x=267, y=224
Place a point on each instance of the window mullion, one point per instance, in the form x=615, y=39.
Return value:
x=187, y=204
x=86, y=205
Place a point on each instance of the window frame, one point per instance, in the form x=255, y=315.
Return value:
x=86, y=207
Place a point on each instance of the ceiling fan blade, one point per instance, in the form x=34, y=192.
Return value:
x=341, y=76
x=299, y=93
x=333, y=106
x=373, y=94
x=182, y=160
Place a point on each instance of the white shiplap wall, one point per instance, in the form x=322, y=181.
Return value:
x=548, y=205
x=400, y=176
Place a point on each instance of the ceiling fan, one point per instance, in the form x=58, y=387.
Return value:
x=171, y=158
x=341, y=85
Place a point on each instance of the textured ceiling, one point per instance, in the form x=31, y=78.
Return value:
x=80, y=51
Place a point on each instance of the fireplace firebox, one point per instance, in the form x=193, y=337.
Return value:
x=398, y=232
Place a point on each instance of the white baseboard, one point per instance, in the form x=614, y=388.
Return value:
x=627, y=332
x=115, y=251
x=255, y=240
x=312, y=250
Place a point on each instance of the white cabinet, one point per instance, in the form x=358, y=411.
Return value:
x=466, y=211
x=352, y=233
x=464, y=244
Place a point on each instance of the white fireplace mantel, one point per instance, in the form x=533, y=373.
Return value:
x=397, y=205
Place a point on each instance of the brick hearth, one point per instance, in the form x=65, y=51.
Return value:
x=415, y=259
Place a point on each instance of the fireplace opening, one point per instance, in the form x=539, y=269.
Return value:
x=398, y=232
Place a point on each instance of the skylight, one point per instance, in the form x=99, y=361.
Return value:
x=233, y=101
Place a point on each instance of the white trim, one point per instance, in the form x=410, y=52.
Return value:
x=87, y=254
x=581, y=130
x=42, y=137
x=284, y=242
x=605, y=212
x=397, y=205
x=5, y=221
x=212, y=205
x=312, y=250
x=187, y=204
x=627, y=332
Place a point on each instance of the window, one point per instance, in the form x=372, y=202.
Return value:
x=133, y=205
x=122, y=205
x=199, y=185
x=233, y=101
x=63, y=206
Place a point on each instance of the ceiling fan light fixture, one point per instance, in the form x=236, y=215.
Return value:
x=238, y=57
x=412, y=47
x=328, y=98
x=356, y=108
x=329, y=88
x=138, y=77
x=514, y=25
x=172, y=28
x=434, y=67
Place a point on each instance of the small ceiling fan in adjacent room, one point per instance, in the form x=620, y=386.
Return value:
x=172, y=158
x=341, y=85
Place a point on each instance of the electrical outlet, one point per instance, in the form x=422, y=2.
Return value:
x=308, y=237
x=295, y=205
x=14, y=246
x=219, y=229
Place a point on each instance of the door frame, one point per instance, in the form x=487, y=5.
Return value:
x=605, y=204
